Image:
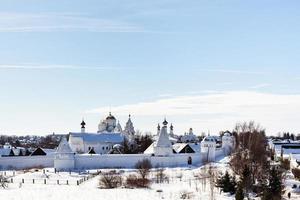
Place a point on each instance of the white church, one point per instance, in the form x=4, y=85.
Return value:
x=109, y=133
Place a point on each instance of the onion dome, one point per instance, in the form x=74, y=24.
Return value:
x=110, y=116
x=82, y=124
x=165, y=123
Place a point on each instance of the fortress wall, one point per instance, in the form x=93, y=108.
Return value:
x=219, y=152
x=129, y=161
x=22, y=162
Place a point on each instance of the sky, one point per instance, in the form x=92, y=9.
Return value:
x=205, y=64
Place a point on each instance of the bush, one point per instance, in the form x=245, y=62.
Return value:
x=160, y=176
x=133, y=181
x=143, y=167
x=227, y=183
x=186, y=195
x=296, y=173
x=285, y=164
x=110, y=180
x=239, y=195
x=3, y=182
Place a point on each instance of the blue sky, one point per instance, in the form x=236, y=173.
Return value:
x=64, y=60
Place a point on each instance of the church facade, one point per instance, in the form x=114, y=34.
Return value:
x=109, y=134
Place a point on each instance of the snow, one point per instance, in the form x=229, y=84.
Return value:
x=181, y=180
x=97, y=137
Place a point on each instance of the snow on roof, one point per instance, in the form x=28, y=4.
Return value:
x=209, y=139
x=196, y=147
x=64, y=146
x=5, y=152
x=163, y=139
x=291, y=151
x=150, y=149
x=172, y=139
x=100, y=137
x=295, y=156
x=179, y=146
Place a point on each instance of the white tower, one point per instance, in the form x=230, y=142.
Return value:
x=208, y=149
x=227, y=143
x=64, y=158
x=129, y=129
x=163, y=146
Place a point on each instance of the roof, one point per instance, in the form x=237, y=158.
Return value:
x=209, y=139
x=64, y=146
x=6, y=152
x=110, y=116
x=295, y=156
x=195, y=146
x=100, y=137
x=150, y=149
x=38, y=152
x=179, y=147
x=163, y=139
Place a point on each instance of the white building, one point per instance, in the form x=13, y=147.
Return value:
x=109, y=133
x=228, y=143
x=189, y=137
x=64, y=157
x=162, y=146
x=208, y=149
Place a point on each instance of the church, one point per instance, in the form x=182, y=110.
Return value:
x=109, y=133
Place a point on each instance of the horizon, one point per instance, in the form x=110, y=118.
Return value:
x=205, y=65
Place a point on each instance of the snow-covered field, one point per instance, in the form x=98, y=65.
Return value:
x=181, y=181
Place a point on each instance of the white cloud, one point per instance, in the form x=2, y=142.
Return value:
x=219, y=111
x=49, y=22
x=259, y=86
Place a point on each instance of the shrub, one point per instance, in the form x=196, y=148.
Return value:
x=3, y=182
x=296, y=173
x=186, y=195
x=285, y=164
x=160, y=176
x=227, y=183
x=143, y=167
x=133, y=181
x=110, y=180
x=239, y=195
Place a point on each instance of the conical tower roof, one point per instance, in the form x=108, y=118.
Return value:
x=64, y=146
x=163, y=138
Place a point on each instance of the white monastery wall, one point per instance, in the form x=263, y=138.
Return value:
x=129, y=161
x=22, y=162
x=219, y=152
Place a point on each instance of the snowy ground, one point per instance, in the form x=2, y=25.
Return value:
x=181, y=180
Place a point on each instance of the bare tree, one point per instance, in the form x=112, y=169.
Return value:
x=110, y=180
x=3, y=182
x=160, y=176
x=143, y=167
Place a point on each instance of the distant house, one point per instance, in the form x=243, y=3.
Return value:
x=182, y=148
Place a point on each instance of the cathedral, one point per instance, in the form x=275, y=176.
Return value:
x=109, y=133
